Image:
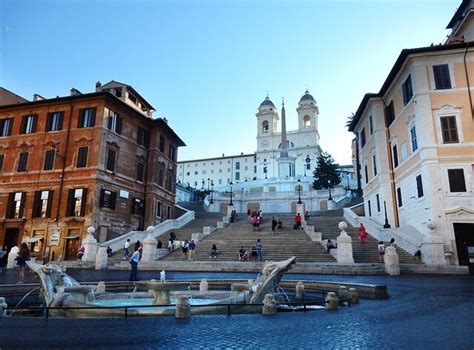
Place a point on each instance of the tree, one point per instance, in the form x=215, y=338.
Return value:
x=326, y=170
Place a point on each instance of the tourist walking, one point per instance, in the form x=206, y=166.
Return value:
x=274, y=225
x=381, y=250
x=21, y=259
x=126, y=250
x=297, y=221
x=362, y=234
x=80, y=252
x=191, y=248
x=185, y=248
x=259, y=247
x=392, y=242
x=213, y=252
x=134, y=260
x=280, y=225
x=330, y=245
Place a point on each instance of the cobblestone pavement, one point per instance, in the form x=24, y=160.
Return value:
x=423, y=312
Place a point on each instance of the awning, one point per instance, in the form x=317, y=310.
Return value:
x=72, y=237
x=33, y=239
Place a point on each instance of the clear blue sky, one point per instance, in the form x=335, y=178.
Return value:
x=207, y=65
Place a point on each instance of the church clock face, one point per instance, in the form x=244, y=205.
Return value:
x=265, y=143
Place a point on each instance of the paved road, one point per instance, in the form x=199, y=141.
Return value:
x=423, y=312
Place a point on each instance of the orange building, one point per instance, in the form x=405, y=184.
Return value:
x=97, y=159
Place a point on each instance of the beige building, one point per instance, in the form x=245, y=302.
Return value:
x=416, y=147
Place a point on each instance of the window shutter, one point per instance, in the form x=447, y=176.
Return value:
x=61, y=117
x=23, y=124
x=119, y=124
x=70, y=203
x=113, y=198
x=10, y=207
x=93, y=117
x=101, y=198
x=84, y=201
x=33, y=126
x=36, y=204
x=80, y=120
x=22, y=203
x=49, y=122
x=109, y=123
x=50, y=203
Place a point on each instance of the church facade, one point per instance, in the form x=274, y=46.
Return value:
x=302, y=147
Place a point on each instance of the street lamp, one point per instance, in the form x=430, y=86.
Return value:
x=208, y=180
x=230, y=203
x=329, y=188
x=386, y=225
x=212, y=190
x=203, y=182
x=299, y=191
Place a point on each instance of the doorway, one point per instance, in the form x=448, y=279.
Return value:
x=11, y=237
x=72, y=244
x=464, y=234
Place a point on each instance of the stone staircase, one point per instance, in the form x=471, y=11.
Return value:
x=284, y=244
x=327, y=223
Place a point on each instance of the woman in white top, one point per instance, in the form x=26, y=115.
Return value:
x=381, y=250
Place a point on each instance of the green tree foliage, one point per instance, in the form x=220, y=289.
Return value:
x=326, y=170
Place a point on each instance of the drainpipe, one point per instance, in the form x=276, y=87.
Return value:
x=467, y=81
x=64, y=157
x=390, y=168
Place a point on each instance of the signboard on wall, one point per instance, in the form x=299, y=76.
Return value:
x=55, y=235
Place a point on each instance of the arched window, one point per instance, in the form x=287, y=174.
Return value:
x=265, y=126
x=306, y=121
x=289, y=144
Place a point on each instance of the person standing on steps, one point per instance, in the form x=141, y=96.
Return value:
x=274, y=225
x=21, y=259
x=191, y=247
x=362, y=234
x=381, y=250
x=259, y=247
x=297, y=221
x=126, y=250
x=134, y=260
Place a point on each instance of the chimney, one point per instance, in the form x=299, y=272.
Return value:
x=75, y=92
x=165, y=120
x=98, y=86
x=37, y=97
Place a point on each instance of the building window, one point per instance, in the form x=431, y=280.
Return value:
x=161, y=144
x=375, y=165
x=254, y=169
x=265, y=127
x=28, y=124
x=407, y=90
x=403, y=151
x=306, y=121
x=86, y=118
x=389, y=114
x=449, y=129
x=399, y=196
x=237, y=176
x=81, y=160
x=15, y=206
x=76, y=203
x=366, y=175
x=414, y=142
x=395, y=156
x=6, y=127
x=371, y=125
x=42, y=204
x=161, y=178
x=107, y=199
x=172, y=153
x=137, y=206
x=114, y=122
x=142, y=137
x=22, y=162
x=2, y=159
x=220, y=170
x=169, y=183
x=140, y=171
x=49, y=159
x=370, y=208
x=237, y=165
x=196, y=172
x=188, y=173
x=362, y=138
x=308, y=166
x=54, y=121
x=441, y=77
x=419, y=186
x=158, y=209
x=377, y=197
x=111, y=157
x=457, y=182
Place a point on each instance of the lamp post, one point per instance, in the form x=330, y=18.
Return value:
x=203, y=182
x=230, y=203
x=208, y=181
x=329, y=188
x=299, y=191
x=212, y=190
x=386, y=225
